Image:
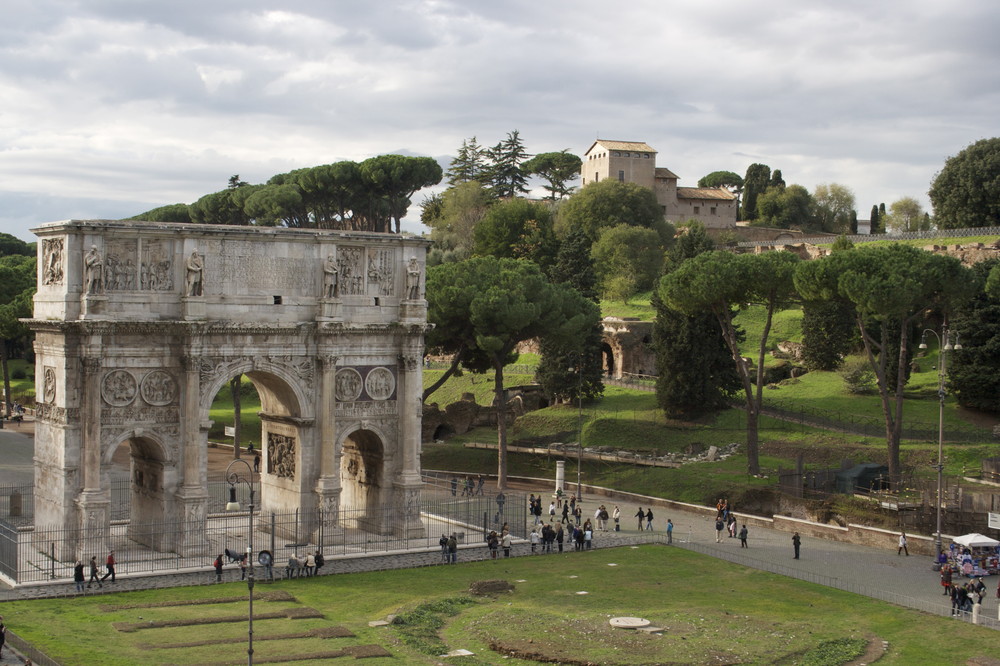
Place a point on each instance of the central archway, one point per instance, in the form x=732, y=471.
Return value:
x=362, y=464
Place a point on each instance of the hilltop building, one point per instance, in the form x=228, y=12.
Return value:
x=635, y=162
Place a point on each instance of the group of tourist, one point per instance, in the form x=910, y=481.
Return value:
x=298, y=566
x=470, y=487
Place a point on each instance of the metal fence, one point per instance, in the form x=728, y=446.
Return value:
x=867, y=238
x=29, y=553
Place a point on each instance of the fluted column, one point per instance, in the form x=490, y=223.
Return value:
x=328, y=484
x=192, y=496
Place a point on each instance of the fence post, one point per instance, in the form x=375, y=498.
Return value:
x=52, y=560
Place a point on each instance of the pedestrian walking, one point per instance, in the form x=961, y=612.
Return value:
x=641, y=515
x=902, y=544
x=3, y=635
x=501, y=499
x=588, y=537
x=243, y=568
x=310, y=565
x=719, y=526
x=649, y=519
x=78, y=576
x=454, y=486
x=506, y=541
x=743, y=537
x=482, y=482
x=534, y=539
x=796, y=542
x=578, y=514
x=731, y=524
x=443, y=542
x=256, y=463
x=565, y=514
x=110, y=563
x=617, y=514
x=95, y=576
x=946, y=578
x=560, y=536
x=552, y=511
x=670, y=531
x=453, y=549
x=218, y=568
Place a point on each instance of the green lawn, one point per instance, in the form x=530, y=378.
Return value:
x=711, y=611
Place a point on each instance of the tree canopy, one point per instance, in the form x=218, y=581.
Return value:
x=369, y=196
x=833, y=208
x=719, y=282
x=754, y=184
x=627, y=260
x=906, y=214
x=558, y=170
x=891, y=287
x=966, y=192
x=484, y=306
x=609, y=203
x=788, y=207
x=517, y=229
x=17, y=287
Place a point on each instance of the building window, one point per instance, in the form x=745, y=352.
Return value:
x=584, y=180
x=697, y=209
x=621, y=176
x=617, y=154
x=711, y=211
x=646, y=156
x=624, y=154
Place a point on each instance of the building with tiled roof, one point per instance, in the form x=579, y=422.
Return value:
x=635, y=162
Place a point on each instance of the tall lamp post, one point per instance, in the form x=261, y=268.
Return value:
x=233, y=505
x=579, y=421
x=944, y=346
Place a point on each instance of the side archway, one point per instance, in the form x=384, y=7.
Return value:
x=364, y=478
x=153, y=479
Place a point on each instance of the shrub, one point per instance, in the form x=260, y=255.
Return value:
x=859, y=378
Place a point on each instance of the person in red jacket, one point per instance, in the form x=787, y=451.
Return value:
x=111, y=567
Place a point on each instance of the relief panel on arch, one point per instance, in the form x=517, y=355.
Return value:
x=365, y=390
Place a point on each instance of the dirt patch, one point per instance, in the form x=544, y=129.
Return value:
x=490, y=587
x=302, y=613
x=365, y=651
x=874, y=652
x=277, y=595
x=128, y=627
x=983, y=661
x=322, y=632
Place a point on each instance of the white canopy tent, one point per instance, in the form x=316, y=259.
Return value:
x=976, y=540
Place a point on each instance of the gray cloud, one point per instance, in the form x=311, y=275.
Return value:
x=121, y=104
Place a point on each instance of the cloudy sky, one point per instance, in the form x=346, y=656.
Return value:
x=111, y=107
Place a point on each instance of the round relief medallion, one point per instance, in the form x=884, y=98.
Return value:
x=379, y=384
x=118, y=388
x=347, y=385
x=158, y=388
x=49, y=386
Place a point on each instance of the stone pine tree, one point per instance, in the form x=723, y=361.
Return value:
x=891, y=288
x=17, y=288
x=487, y=306
x=695, y=372
x=561, y=364
x=720, y=282
x=828, y=331
x=558, y=170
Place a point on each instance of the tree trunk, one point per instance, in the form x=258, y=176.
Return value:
x=455, y=360
x=892, y=425
x=501, y=403
x=729, y=334
x=234, y=389
x=6, y=377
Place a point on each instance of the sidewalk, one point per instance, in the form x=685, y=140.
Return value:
x=881, y=574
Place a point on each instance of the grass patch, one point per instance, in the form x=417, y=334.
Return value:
x=746, y=616
x=637, y=307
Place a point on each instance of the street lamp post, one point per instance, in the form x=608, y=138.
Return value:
x=579, y=420
x=944, y=346
x=233, y=505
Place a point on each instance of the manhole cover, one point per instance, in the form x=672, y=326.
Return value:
x=628, y=622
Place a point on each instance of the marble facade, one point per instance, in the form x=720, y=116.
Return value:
x=139, y=325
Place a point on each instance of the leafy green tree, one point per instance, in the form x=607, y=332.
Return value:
x=178, y=212
x=695, y=372
x=392, y=180
x=974, y=371
x=558, y=169
x=891, y=288
x=719, y=282
x=469, y=165
x=452, y=230
x=571, y=369
x=776, y=180
x=754, y=184
x=906, y=214
x=609, y=203
x=731, y=181
x=17, y=287
x=966, y=193
x=627, y=255
x=506, y=175
x=834, y=208
x=517, y=229
x=484, y=307
x=786, y=208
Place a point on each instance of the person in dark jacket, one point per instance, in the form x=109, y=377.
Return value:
x=78, y=576
x=796, y=542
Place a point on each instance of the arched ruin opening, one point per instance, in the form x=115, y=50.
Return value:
x=362, y=475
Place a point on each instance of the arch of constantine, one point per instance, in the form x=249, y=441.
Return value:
x=138, y=325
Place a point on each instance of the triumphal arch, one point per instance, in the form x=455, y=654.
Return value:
x=138, y=325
